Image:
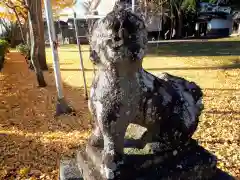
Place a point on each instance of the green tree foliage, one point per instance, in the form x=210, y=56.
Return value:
x=3, y=50
x=189, y=6
x=235, y=4
x=210, y=1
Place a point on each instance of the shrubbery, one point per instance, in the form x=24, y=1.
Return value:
x=24, y=49
x=4, y=45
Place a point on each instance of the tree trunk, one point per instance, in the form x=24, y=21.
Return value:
x=238, y=29
x=41, y=45
x=171, y=18
x=20, y=25
x=35, y=40
x=145, y=8
x=28, y=43
x=36, y=8
x=13, y=35
x=180, y=24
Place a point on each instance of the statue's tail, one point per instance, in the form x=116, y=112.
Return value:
x=191, y=100
x=185, y=86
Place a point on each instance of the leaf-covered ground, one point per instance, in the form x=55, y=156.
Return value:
x=32, y=141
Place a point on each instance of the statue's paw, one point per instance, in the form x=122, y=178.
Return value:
x=108, y=166
x=112, y=171
x=107, y=172
x=95, y=141
x=111, y=165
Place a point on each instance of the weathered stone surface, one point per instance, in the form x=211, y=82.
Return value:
x=193, y=163
x=87, y=167
x=69, y=170
x=122, y=92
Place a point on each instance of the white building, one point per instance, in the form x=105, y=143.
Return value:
x=218, y=19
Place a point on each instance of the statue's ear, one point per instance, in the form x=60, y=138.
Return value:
x=94, y=57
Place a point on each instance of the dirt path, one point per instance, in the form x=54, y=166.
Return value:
x=30, y=138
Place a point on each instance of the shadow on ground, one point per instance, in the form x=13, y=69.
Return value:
x=196, y=156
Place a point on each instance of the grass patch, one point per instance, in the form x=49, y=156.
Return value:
x=204, y=48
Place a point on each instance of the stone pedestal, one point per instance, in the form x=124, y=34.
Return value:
x=194, y=162
x=69, y=170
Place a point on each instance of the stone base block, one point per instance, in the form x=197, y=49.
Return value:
x=193, y=163
x=69, y=170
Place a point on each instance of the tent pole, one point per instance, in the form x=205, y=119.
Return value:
x=80, y=56
x=62, y=106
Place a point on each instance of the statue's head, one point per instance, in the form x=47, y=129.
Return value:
x=120, y=37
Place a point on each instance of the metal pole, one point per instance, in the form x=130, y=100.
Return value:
x=60, y=29
x=133, y=5
x=160, y=27
x=62, y=107
x=80, y=56
x=53, y=44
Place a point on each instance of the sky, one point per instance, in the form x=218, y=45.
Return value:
x=79, y=7
x=104, y=7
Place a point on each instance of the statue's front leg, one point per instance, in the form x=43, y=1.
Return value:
x=112, y=123
x=96, y=138
x=112, y=155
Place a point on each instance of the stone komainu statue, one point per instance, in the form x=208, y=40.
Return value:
x=122, y=92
